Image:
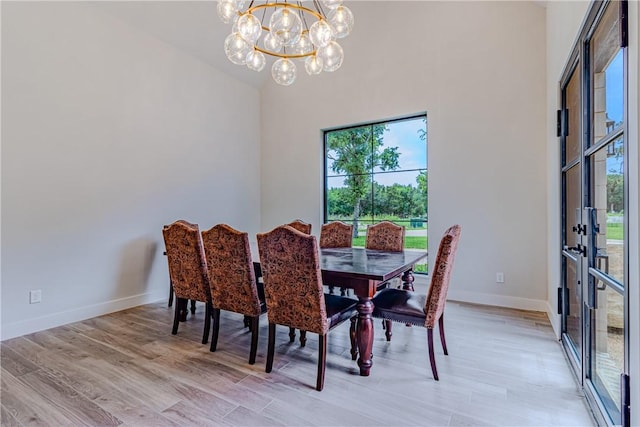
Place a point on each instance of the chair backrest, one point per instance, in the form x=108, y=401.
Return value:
x=441, y=274
x=300, y=226
x=230, y=268
x=292, y=279
x=385, y=236
x=187, y=264
x=336, y=234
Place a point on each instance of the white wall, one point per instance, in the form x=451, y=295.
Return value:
x=478, y=69
x=108, y=134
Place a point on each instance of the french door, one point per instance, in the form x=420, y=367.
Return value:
x=593, y=297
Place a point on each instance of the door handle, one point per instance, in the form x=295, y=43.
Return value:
x=579, y=249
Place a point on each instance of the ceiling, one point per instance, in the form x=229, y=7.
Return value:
x=191, y=26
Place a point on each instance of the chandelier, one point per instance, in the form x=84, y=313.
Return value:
x=288, y=31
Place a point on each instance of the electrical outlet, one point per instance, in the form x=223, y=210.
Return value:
x=500, y=277
x=35, y=297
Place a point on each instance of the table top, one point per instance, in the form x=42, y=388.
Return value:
x=367, y=263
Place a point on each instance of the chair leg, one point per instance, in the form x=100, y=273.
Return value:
x=322, y=362
x=442, y=340
x=331, y=290
x=176, y=317
x=303, y=338
x=387, y=327
x=432, y=356
x=247, y=322
x=193, y=306
x=343, y=292
x=183, y=309
x=170, y=293
x=271, y=346
x=207, y=322
x=255, y=323
x=216, y=329
x=292, y=334
x=352, y=336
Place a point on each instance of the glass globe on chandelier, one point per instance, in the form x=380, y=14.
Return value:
x=290, y=32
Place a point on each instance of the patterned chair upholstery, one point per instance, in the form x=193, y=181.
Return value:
x=170, y=303
x=187, y=271
x=385, y=236
x=294, y=291
x=336, y=234
x=232, y=279
x=300, y=226
x=403, y=306
x=305, y=228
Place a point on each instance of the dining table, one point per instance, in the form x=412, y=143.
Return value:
x=363, y=271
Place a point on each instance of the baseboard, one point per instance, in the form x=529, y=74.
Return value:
x=16, y=329
x=554, y=319
x=498, y=300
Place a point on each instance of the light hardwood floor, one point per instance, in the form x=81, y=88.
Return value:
x=504, y=368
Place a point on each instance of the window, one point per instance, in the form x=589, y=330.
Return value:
x=376, y=172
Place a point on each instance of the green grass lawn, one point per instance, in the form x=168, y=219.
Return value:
x=410, y=242
x=615, y=231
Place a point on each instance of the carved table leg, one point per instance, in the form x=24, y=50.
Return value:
x=364, y=335
x=407, y=284
x=407, y=280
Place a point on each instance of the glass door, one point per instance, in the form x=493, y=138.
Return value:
x=572, y=217
x=593, y=295
x=606, y=181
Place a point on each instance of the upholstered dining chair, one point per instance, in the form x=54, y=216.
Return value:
x=300, y=226
x=295, y=295
x=407, y=307
x=232, y=279
x=187, y=271
x=305, y=228
x=170, y=303
x=385, y=236
x=336, y=234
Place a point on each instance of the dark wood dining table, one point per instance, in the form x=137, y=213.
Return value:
x=363, y=270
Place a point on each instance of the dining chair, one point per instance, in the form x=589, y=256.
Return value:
x=300, y=226
x=385, y=236
x=305, y=228
x=232, y=279
x=336, y=234
x=170, y=303
x=187, y=271
x=295, y=295
x=405, y=306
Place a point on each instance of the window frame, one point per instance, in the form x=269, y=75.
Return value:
x=325, y=132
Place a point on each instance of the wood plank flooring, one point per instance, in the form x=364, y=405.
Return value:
x=504, y=368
